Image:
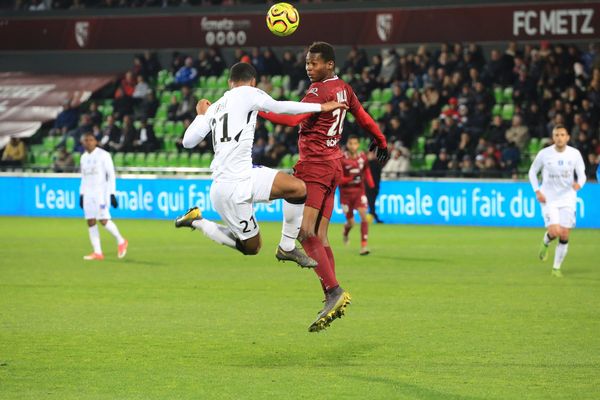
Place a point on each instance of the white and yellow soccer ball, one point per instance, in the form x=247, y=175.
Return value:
x=283, y=19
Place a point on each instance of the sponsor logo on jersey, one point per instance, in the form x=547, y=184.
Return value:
x=313, y=91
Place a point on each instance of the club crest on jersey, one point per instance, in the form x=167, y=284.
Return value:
x=313, y=91
x=561, y=162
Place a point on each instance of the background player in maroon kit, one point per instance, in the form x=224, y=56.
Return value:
x=320, y=168
x=352, y=190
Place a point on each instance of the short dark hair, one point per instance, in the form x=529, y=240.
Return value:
x=323, y=48
x=352, y=137
x=560, y=126
x=242, y=72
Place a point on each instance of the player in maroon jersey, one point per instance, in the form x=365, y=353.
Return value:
x=320, y=168
x=352, y=190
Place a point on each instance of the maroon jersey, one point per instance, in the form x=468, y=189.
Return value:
x=356, y=173
x=321, y=133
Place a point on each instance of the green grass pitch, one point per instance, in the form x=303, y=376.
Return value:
x=438, y=313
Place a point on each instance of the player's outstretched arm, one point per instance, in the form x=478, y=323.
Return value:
x=199, y=128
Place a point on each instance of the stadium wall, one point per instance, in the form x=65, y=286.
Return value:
x=447, y=202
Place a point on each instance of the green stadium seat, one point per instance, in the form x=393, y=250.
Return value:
x=161, y=160
x=195, y=160
x=421, y=145
x=497, y=110
x=375, y=111
x=179, y=128
x=211, y=82
x=151, y=160
x=159, y=129
x=508, y=111
x=165, y=97
x=277, y=93
x=178, y=95
x=295, y=159
x=162, y=113
x=293, y=96
x=205, y=160
x=202, y=82
x=222, y=82
x=49, y=143
x=199, y=93
x=269, y=125
x=285, y=82
x=350, y=118
x=173, y=159
x=44, y=159
x=277, y=81
x=119, y=159
x=507, y=95
x=170, y=128
x=129, y=159
x=498, y=96
x=376, y=95
x=137, y=125
x=386, y=95
x=534, y=146
x=286, y=161
x=184, y=160
x=70, y=143
x=409, y=92
x=139, y=160
x=429, y=160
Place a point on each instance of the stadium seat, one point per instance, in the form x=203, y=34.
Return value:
x=429, y=160
x=421, y=145
x=350, y=118
x=178, y=95
x=497, y=110
x=386, y=95
x=129, y=159
x=286, y=161
x=285, y=82
x=205, y=160
x=498, y=96
x=161, y=113
x=119, y=159
x=159, y=129
x=269, y=125
x=70, y=144
x=409, y=92
x=507, y=111
x=376, y=95
x=507, y=95
x=199, y=93
x=277, y=93
x=222, y=82
x=139, y=160
x=534, y=146
x=211, y=82
x=183, y=160
x=179, y=128
x=44, y=159
x=151, y=160
x=137, y=124
x=375, y=111
x=169, y=128
x=209, y=94
x=161, y=160
x=195, y=160
x=295, y=159
x=165, y=97
x=277, y=81
x=49, y=142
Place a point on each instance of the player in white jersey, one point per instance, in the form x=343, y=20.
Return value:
x=237, y=184
x=558, y=192
x=97, y=193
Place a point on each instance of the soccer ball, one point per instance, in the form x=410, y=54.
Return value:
x=283, y=19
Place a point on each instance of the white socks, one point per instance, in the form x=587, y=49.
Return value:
x=219, y=233
x=560, y=253
x=112, y=228
x=547, y=239
x=95, y=238
x=292, y=219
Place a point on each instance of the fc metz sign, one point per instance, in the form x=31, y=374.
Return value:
x=355, y=27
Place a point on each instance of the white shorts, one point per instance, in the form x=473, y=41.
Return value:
x=96, y=207
x=563, y=216
x=233, y=200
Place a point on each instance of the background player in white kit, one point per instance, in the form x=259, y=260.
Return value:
x=97, y=193
x=237, y=184
x=558, y=192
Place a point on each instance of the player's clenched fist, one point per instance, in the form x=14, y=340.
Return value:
x=332, y=105
x=540, y=196
x=202, y=106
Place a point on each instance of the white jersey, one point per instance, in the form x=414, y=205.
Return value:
x=558, y=169
x=232, y=120
x=97, y=174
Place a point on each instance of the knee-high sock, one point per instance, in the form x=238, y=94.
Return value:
x=347, y=228
x=315, y=249
x=547, y=238
x=95, y=238
x=112, y=228
x=560, y=253
x=292, y=220
x=218, y=233
x=330, y=257
x=364, y=233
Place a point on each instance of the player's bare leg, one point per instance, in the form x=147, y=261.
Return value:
x=293, y=191
x=218, y=233
x=122, y=243
x=95, y=240
x=364, y=231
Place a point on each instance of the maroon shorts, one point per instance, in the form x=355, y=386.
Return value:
x=321, y=179
x=352, y=200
